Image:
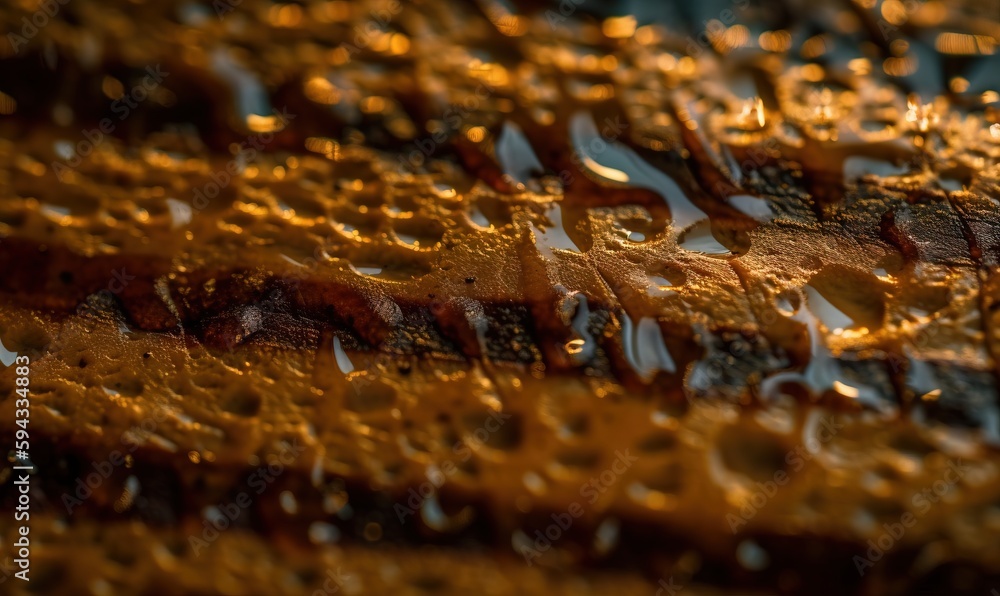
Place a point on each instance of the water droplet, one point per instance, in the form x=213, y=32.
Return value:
x=343, y=362
x=553, y=237
x=644, y=347
x=752, y=206
x=618, y=163
x=515, y=154
x=700, y=238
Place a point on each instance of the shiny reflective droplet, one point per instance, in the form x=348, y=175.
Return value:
x=644, y=347
x=553, y=237
x=343, y=362
x=752, y=206
x=515, y=154
x=616, y=162
x=701, y=239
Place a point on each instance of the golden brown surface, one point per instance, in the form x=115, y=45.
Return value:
x=620, y=244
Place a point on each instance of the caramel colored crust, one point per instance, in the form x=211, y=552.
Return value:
x=198, y=423
x=495, y=276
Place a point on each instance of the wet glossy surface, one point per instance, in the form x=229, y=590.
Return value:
x=372, y=230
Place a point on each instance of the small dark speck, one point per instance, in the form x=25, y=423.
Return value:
x=83, y=363
x=146, y=355
x=469, y=280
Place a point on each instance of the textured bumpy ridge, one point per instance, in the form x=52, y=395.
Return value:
x=451, y=273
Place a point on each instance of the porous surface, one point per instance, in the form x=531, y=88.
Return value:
x=734, y=302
